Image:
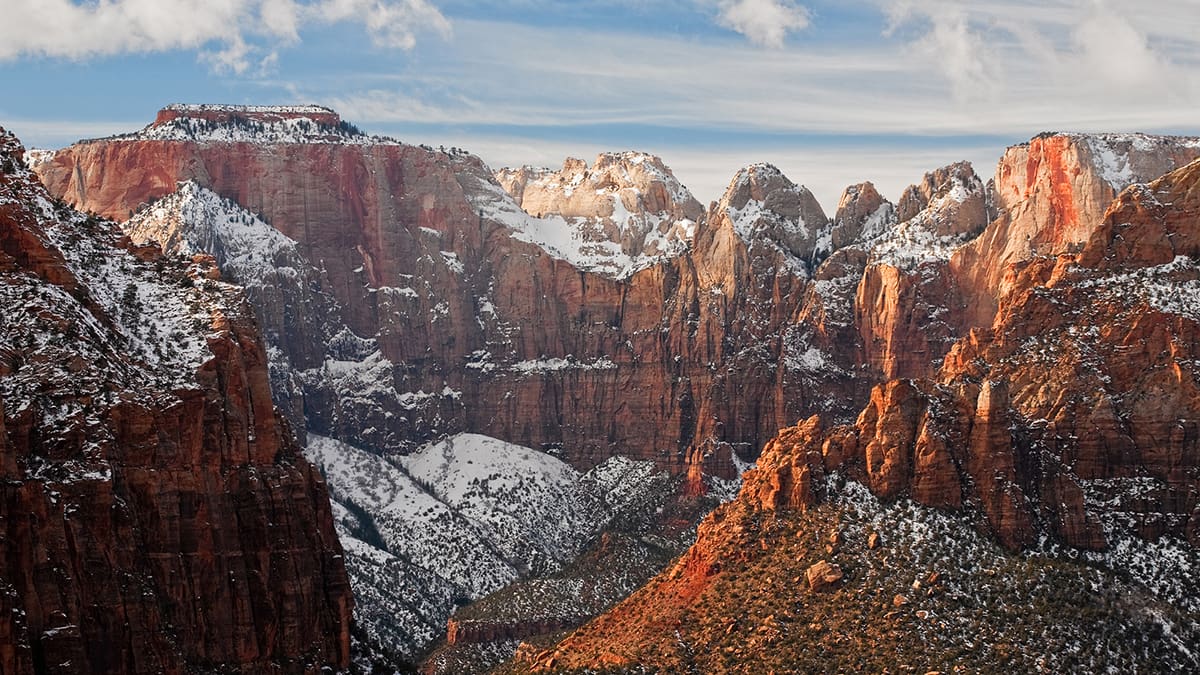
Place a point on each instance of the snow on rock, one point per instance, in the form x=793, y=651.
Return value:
x=251, y=124
x=1173, y=288
x=934, y=218
x=459, y=519
x=163, y=326
x=1119, y=157
x=528, y=503
x=764, y=207
x=98, y=320
x=539, y=366
x=297, y=318
x=624, y=213
x=194, y=219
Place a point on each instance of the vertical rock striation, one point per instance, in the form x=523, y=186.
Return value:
x=156, y=513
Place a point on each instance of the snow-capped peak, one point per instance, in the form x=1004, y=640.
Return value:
x=764, y=206
x=625, y=212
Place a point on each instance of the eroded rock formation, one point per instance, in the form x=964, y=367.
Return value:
x=156, y=514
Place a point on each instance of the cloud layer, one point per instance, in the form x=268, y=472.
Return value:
x=668, y=76
x=233, y=34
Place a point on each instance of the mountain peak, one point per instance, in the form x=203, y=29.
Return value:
x=762, y=202
x=628, y=210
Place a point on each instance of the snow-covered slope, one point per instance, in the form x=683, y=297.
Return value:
x=194, y=219
x=949, y=214
x=624, y=213
x=460, y=519
x=300, y=321
x=765, y=208
x=159, y=314
x=251, y=124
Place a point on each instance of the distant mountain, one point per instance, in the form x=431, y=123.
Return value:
x=952, y=343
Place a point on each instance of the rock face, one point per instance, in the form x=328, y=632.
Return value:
x=630, y=199
x=1076, y=403
x=223, y=115
x=1051, y=193
x=156, y=514
x=965, y=348
x=1069, y=421
x=436, y=304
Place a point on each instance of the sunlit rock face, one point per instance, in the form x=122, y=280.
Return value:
x=999, y=350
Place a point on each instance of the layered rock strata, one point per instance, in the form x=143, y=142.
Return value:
x=156, y=513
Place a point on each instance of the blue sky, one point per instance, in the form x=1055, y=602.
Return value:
x=831, y=92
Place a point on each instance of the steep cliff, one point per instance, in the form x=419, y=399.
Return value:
x=422, y=300
x=1050, y=193
x=156, y=514
x=1066, y=433
x=409, y=294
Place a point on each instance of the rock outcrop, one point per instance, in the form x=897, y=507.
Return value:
x=964, y=348
x=1050, y=194
x=1068, y=426
x=630, y=199
x=444, y=306
x=1078, y=404
x=156, y=514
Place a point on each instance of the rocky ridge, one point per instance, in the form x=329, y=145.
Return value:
x=444, y=306
x=1063, y=432
x=157, y=515
x=627, y=210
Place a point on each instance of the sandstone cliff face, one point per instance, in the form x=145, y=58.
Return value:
x=414, y=299
x=458, y=310
x=630, y=198
x=1051, y=193
x=1076, y=405
x=452, y=308
x=157, y=514
x=1069, y=421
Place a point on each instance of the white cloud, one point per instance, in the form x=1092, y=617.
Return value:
x=234, y=33
x=764, y=22
x=391, y=24
x=1087, y=47
x=950, y=45
x=1114, y=50
x=562, y=77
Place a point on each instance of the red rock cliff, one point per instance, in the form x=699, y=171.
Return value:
x=430, y=263
x=156, y=513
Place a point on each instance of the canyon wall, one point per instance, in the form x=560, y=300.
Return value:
x=157, y=515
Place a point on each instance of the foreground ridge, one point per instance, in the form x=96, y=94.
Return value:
x=156, y=514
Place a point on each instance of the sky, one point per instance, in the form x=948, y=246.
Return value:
x=832, y=92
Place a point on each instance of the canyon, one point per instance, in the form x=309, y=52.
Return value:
x=1009, y=359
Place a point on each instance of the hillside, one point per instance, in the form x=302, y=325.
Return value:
x=1032, y=506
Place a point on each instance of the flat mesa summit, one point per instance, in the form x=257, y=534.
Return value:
x=1002, y=359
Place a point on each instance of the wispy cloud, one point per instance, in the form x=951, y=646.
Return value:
x=1087, y=49
x=235, y=35
x=1034, y=74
